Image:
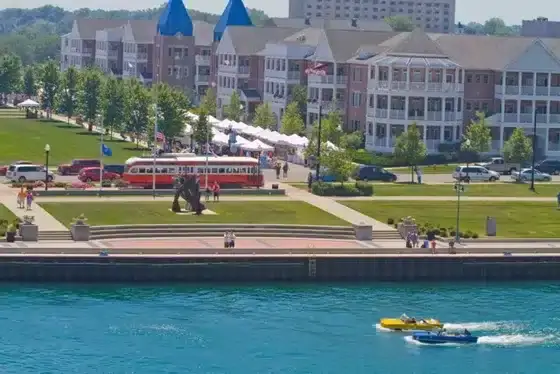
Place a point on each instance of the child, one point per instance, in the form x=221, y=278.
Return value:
x=29, y=199
x=21, y=198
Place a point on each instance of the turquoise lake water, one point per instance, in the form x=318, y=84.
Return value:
x=272, y=329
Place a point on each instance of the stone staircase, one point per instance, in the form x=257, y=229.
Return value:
x=217, y=230
x=54, y=236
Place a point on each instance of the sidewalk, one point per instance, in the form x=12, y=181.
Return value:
x=331, y=206
x=104, y=199
x=44, y=220
x=449, y=198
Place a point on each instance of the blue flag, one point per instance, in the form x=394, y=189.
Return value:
x=106, y=151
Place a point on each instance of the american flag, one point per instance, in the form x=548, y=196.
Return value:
x=160, y=137
x=317, y=69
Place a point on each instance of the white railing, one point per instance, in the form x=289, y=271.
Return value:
x=450, y=116
x=526, y=118
x=141, y=56
x=434, y=116
x=432, y=144
x=294, y=75
x=554, y=147
x=202, y=78
x=554, y=118
x=381, y=113
x=498, y=89
x=370, y=112
x=397, y=114
x=417, y=86
x=555, y=91
x=202, y=60
x=244, y=70
x=380, y=142
x=527, y=90
x=399, y=85
x=512, y=90
x=542, y=91
x=511, y=118
x=327, y=79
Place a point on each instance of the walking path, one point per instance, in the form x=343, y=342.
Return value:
x=105, y=199
x=44, y=220
x=450, y=198
x=334, y=208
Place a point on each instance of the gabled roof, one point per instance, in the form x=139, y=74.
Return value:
x=88, y=27
x=417, y=43
x=248, y=40
x=338, y=24
x=143, y=30
x=344, y=43
x=175, y=20
x=235, y=14
x=203, y=33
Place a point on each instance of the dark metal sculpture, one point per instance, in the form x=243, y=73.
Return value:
x=188, y=187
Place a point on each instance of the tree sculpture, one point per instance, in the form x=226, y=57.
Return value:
x=188, y=188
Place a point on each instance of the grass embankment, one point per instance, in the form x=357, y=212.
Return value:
x=257, y=212
x=426, y=169
x=25, y=139
x=479, y=190
x=514, y=219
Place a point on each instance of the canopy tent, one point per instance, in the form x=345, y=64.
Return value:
x=256, y=145
x=187, y=129
x=225, y=124
x=192, y=116
x=28, y=104
x=213, y=120
x=219, y=138
x=238, y=126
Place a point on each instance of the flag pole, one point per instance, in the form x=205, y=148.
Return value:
x=101, y=158
x=155, y=153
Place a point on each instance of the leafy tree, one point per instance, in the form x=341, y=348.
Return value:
x=400, y=23
x=292, y=123
x=91, y=95
x=410, y=148
x=69, y=94
x=50, y=84
x=299, y=96
x=29, y=82
x=233, y=111
x=138, y=103
x=518, y=148
x=331, y=131
x=113, y=104
x=478, y=136
x=352, y=141
x=172, y=106
x=201, y=128
x=209, y=102
x=339, y=164
x=10, y=74
x=264, y=117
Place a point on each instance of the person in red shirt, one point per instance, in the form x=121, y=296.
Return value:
x=216, y=191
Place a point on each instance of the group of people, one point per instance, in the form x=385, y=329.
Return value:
x=25, y=198
x=213, y=189
x=229, y=239
x=278, y=167
x=413, y=241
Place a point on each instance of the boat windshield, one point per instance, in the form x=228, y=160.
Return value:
x=404, y=317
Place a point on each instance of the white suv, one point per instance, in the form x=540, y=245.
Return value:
x=475, y=173
x=28, y=173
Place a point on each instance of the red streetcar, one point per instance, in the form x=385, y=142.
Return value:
x=229, y=172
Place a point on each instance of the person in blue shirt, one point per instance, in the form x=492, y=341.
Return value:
x=558, y=199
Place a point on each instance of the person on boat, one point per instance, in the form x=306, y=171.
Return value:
x=467, y=332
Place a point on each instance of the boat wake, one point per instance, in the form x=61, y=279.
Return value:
x=497, y=340
x=480, y=326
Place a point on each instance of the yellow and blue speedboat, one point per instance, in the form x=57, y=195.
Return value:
x=406, y=323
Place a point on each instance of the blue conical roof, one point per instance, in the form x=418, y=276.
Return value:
x=235, y=14
x=175, y=19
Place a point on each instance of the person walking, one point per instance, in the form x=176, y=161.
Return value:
x=216, y=191
x=29, y=199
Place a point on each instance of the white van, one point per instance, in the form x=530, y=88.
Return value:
x=475, y=173
x=28, y=173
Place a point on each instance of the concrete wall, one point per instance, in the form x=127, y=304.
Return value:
x=282, y=268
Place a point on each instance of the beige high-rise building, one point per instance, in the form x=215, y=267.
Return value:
x=431, y=15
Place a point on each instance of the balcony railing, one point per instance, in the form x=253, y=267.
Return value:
x=417, y=86
x=327, y=79
x=554, y=118
x=555, y=91
x=434, y=116
x=527, y=90
x=294, y=75
x=554, y=147
x=452, y=116
x=512, y=90
x=202, y=60
x=244, y=70
x=542, y=91
x=399, y=85
x=381, y=113
x=432, y=144
x=397, y=114
x=142, y=56
x=113, y=53
x=380, y=142
x=498, y=89
x=526, y=118
x=511, y=118
x=202, y=78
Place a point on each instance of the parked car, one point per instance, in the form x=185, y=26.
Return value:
x=526, y=175
x=94, y=175
x=549, y=166
x=499, y=165
x=4, y=169
x=28, y=173
x=374, y=173
x=119, y=169
x=77, y=165
x=325, y=176
x=475, y=173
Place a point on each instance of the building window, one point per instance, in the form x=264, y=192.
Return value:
x=485, y=78
x=469, y=78
x=356, y=99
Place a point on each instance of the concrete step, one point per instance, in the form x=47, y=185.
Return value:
x=186, y=234
x=54, y=235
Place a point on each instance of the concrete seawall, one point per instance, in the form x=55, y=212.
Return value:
x=261, y=268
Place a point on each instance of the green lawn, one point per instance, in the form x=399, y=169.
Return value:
x=7, y=214
x=514, y=219
x=263, y=212
x=482, y=190
x=427, y=169
x=25, y=139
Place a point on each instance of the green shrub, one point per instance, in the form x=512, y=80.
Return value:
x=390, y=221
x=336, y=189
x=475, y=235
x=467, y=235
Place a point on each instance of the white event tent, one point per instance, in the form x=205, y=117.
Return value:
x=28, y=104
x=256, y=145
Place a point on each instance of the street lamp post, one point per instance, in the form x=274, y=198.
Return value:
x=532, y=188
x=459, y=187
x=259, y=167
x=47, y=151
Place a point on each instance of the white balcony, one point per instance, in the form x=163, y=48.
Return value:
x=381, y=113
x=512, y=90
x=435, y=116
x=275, y=99
x=554, y=118
x=142, y=56
x=234, y=69
x=555, y=91
x=526, y=118
x=498, y=89
x=294, y=76
x=202, y=60
x=453, y=116
x=326, y=105
x=440, y=87
x=417, y=86
x=202, y=78
x=542, y=91
x=527, y=90
x=327, y=80
x=432, y=144
x=380, y=142
x=511, y=118
x=397, y=114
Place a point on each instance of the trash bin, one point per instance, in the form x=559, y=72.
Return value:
x=490, y=226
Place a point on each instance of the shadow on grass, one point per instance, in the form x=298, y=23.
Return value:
x=67, y=126
x=139, y=148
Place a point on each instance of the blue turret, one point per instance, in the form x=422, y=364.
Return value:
x=175, y=19
x=235, y=14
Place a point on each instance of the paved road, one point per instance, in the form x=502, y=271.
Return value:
x=449, y=198
x=446, y=178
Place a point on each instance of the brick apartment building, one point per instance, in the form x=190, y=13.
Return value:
x=380, y=81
